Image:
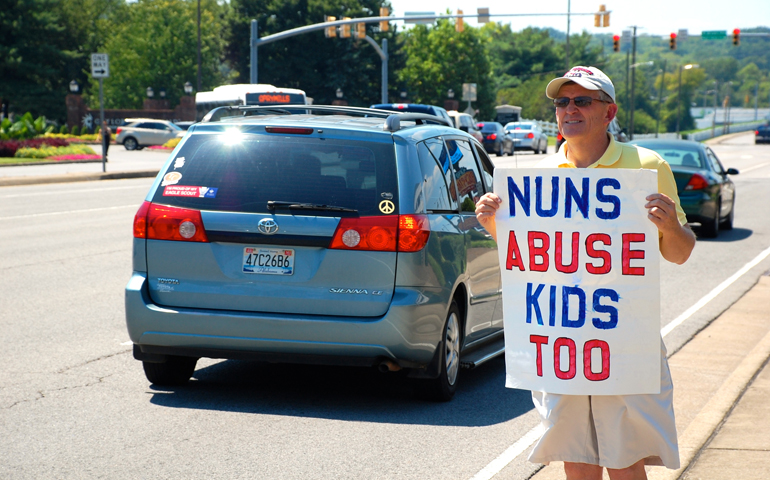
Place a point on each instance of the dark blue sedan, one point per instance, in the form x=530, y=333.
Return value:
x=705, y=190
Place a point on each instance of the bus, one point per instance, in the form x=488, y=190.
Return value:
x=507, y=113
x=247, y=94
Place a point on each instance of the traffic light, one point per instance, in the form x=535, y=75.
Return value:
x=602, y=17
x=736, y=37
x=360, y=30
x=672, y=42
x=384, y=25
x=330, y=32
x=616, y=43
x=345, y=29
x=459, y=24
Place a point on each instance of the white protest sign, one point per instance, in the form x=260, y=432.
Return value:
x=580, y=276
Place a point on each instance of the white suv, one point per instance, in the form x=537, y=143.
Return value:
x=466, y=123
x=142, y=132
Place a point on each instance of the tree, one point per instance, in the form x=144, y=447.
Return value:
x=311, y=62
x=515, y=56
x=154, y=45
x=439, y=58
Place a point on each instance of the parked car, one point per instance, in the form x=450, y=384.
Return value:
x=559, y=140
x=527, y=136
x=466, y=123
x=414, y=108
x=762, y=134
x=705, y=190
x=495, y=139
x=326, y=239
x=138, y=133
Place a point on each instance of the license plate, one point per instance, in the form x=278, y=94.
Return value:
x=270, y=261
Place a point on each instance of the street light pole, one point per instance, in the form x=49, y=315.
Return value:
x=714, y=118
x=679, y=93
x=660, y=96
x=633, y=81
x=199, y=45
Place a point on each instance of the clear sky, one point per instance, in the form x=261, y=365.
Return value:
x=655, y=17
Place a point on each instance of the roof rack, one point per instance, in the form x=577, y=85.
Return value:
x=392, y=119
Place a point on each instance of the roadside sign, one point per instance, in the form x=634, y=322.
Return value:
x=713, y=34
x=469, y=92
x=682, y=35
x=100, y=65
x=422, y=21
x=483, y=15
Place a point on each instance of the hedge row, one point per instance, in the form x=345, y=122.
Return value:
x=8, y=148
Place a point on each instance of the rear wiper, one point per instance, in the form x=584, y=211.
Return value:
x=273, y=204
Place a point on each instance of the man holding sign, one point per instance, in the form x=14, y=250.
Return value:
x=581, y=288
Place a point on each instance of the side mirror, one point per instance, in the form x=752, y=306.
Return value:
x=732, y=171
x=464, y=128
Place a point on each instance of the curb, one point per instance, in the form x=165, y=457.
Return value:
x=722, y=138
x=74, y=177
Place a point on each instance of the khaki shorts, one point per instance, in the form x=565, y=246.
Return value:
x=614, y=431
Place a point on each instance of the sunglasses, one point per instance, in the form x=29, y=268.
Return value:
x=562, y=102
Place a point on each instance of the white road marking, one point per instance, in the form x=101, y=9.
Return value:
x=712, y=294
x=33, y=215
x=496, y=465
x=509, y=454
x=745, y=170
x=61, y=192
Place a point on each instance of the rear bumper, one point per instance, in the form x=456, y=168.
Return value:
x=522, y=144
x=408, y=333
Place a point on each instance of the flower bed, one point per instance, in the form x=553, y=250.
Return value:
x=75, y=157
x=8, y=148
x=47, y=151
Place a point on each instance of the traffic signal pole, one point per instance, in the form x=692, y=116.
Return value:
x=633, y=82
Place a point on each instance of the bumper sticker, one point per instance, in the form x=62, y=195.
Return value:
x=185, y=191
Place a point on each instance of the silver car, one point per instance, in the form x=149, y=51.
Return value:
x=527, y=136
x=140, y=133
x=316, y=235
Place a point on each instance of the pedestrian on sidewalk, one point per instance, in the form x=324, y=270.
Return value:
x=106, y=137
x=621, y=433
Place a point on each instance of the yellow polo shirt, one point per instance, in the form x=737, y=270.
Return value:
x=623, y=155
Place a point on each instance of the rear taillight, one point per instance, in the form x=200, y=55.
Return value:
x=559, y=137
x=492, y=136
x=407, y=233
x=290, y=130
x=530, y=135
x=161, y=222
x=697, y=182
x=756, y=132
x=118, y=130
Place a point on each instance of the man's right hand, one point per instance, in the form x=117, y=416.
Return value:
x=486, y=208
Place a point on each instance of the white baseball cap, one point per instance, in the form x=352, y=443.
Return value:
x=590, y=78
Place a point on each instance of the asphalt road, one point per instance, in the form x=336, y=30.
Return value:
x=75, y=404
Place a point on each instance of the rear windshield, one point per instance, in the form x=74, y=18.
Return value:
x=683, y=156
x=489, y=127
x=521, y=126
x=212, y=173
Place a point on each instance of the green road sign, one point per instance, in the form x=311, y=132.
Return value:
x=713, y=34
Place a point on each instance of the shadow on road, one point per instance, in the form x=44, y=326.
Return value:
x=346, y=393
x=734, y=235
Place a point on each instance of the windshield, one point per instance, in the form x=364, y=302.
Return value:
x=519, y=126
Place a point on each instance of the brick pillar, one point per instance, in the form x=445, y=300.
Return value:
x=76, y=109
x=185, y=111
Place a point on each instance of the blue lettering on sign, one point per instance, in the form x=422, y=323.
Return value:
x=532, y=302
x=580, y=198
x=599, y=308
x=539, y=197
x=600, y=195
x=566, y=292
x=513, y=191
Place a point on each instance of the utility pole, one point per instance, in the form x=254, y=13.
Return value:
x=567, y=46
x=254, y=38
x=660, y=96
x=714, y=118
x=633, y=81
x=628, y=102
x=199, y=45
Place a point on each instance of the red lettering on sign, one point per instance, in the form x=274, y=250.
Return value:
x=514, y=255
x=539, y=340
x=273, y=98
x=628, y=254
x=541, y=251
x=606, y=266
x=604, y=374
x=570, y=344
x=572, y=267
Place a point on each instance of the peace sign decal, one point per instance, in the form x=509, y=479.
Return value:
x=387, y=207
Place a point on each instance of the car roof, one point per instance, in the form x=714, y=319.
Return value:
x=665, y=143
x=407, y=107
x=342, y=118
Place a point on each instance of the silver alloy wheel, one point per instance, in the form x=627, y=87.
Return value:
x=452, y=343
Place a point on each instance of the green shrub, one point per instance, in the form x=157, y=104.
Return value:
x=51, y=151
x=63, y=130
x=75, y=130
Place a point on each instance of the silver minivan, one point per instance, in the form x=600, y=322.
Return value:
x=320, y=237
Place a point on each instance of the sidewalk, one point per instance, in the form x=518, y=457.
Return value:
x=721, y=390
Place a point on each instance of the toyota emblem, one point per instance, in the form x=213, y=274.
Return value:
x=267, y=226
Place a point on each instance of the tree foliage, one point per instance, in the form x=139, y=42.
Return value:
x=154, y=44
x=439, y=59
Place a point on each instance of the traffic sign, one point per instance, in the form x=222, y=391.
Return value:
x=469, y=92
x=100, y=65
x=713, y=34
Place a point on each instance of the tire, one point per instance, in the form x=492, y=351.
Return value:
x=130, y=143
x=443, y=388
x=500, y=151
x=710, y=229
x=174, y=372
x=727, y=223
